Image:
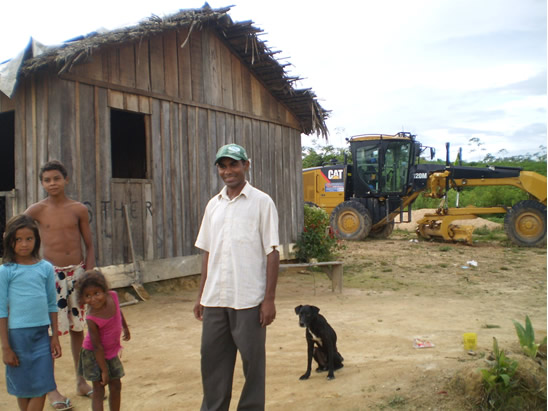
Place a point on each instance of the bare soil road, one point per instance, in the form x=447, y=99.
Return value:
x=394, y=290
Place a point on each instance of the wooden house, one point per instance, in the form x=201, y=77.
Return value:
x=137, y=115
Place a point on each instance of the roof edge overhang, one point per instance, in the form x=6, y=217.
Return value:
x=242, y=37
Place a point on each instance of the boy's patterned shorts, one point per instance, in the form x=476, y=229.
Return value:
x=71, y=315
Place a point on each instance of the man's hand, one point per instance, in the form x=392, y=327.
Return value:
x=198, y=311
x=267, y=313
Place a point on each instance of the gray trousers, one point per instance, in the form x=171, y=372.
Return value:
x=226, y=331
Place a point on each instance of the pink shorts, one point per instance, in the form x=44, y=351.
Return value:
x=71, y=315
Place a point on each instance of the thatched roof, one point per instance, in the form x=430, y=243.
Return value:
x=243, y=37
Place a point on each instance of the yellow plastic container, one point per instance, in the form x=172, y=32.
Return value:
x=470, y=341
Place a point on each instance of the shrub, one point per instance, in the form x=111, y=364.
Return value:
x=511, y=387
x=498, y=380
x=317, y=239
x=526, y=338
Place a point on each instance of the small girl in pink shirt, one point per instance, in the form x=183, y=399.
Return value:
x=99, y=361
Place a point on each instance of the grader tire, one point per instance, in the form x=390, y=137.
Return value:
x=525, y=223
x=351, y=221
x=382, y=232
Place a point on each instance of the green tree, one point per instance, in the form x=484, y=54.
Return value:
x=317, y=155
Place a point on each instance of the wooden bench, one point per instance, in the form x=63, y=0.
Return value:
x=333, y=269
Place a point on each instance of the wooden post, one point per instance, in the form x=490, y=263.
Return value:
x=137, y=283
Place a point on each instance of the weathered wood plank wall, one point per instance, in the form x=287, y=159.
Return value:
x=194, y=99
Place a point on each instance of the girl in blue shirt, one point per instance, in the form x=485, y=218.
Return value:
x=28, y=307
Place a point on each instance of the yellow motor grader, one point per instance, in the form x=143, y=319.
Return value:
x=386, y=177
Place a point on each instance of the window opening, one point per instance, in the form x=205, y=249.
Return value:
x=7, y=165
x=128, y=144
x=7, y=154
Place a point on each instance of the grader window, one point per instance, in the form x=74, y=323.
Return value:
x=396, y=166
x=367, y=159
x=128, y=144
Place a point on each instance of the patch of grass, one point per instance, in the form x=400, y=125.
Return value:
x=353, y=268
x=404, y=233
x=498, y=218
x=444, y=265
x=482, y=230
x=484, y=234
x=504, y=268
x=507, y=244
x=445, y=248
x=396, y=401
x=377, y=280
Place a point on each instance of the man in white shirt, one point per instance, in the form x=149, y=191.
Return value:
x=239, y=236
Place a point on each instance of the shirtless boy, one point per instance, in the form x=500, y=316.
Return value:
x=63, y=223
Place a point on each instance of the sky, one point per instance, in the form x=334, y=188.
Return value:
x=468, y=72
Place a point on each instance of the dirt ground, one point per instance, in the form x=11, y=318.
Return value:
x=394, y=290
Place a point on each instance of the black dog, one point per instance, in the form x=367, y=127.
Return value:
x=321, y=334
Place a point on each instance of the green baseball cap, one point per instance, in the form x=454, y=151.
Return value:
x=233, y=151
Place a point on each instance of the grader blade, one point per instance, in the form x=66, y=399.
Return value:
x=440, y=224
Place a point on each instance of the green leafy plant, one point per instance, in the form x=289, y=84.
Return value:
x=526, y=336
x=317, y=239
x=498, y=380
